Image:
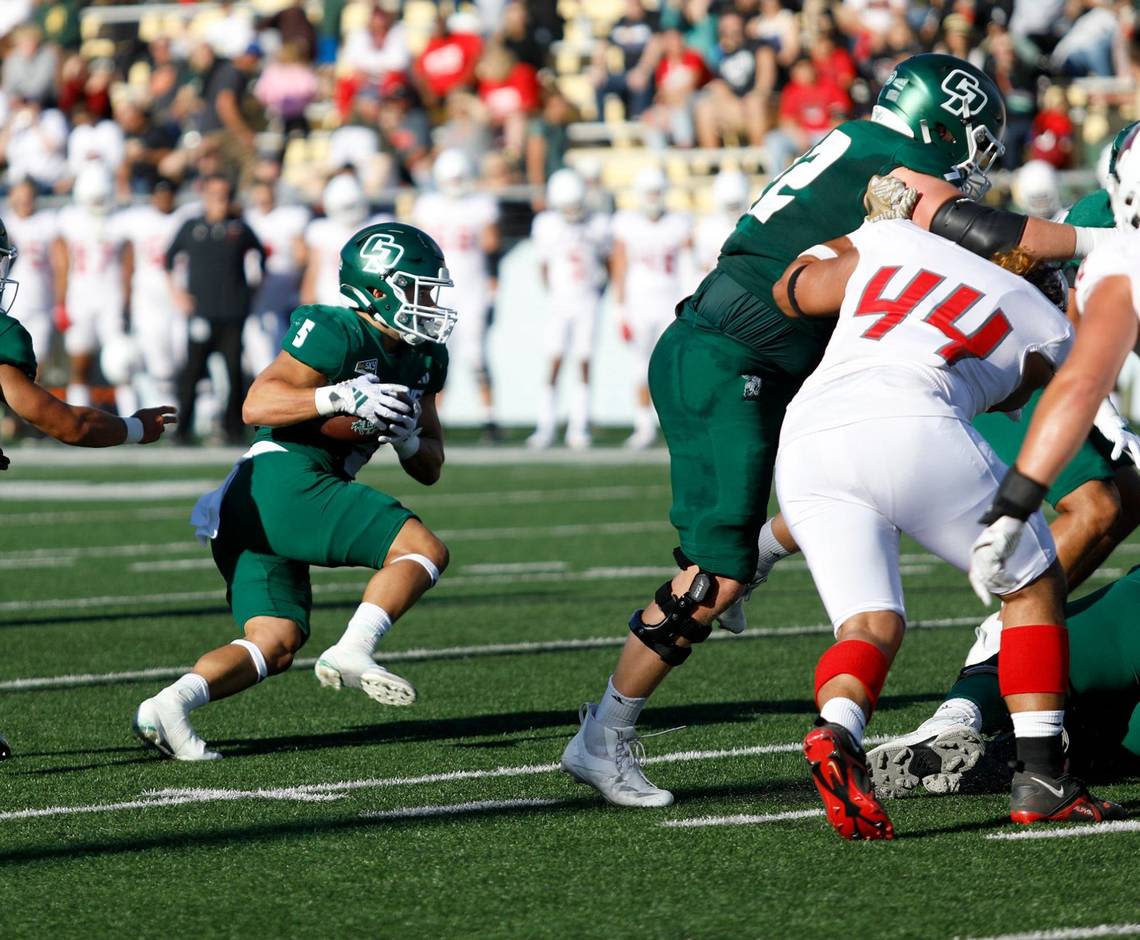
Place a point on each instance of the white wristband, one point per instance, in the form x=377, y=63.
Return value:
x=329, y=401
x=407, y=448
x=1089, y=238
x=135, y=430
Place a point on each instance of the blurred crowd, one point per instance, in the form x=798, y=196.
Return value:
x=130, y=144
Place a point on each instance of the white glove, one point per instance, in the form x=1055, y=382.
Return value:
x=888, y=197
x=400, y=428
x=366, y=397
x=1112, y=424
x=993, y=548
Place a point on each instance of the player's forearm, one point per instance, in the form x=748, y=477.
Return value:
x=86, y=427
x=1049, y=241
x=426, y=465
x=272, y=403
x=1061, y=423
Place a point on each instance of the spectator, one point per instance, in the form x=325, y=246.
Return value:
x=167, y=76
x=548, y=138
x=809, y=107
x=371, y=55
x=217, y=300
x=356, y=143
x=12, y=14
x=89, y=140
x=509, y=91
x=464, y=128
x=328, y=35
x=776, y=28
x=680, y=72
x=294, y=27
x=448, y=61
x=221, y=89
x=287, y=86
x=34, y=142
x=404, y=132
x=633, y=42
x=833, y=62
x=29, y=67
x=231, y=33
x=86, y=86
x=1052, y=139
x=731, y=107
x=146, y=145
x=517, y=37
x=1089, y=46
x=1017, y=80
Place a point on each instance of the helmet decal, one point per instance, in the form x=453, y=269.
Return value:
x=966, y=96
x=380, y=253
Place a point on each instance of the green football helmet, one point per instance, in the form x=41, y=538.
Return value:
x=8, y=286
x=394, y=272
x=1117, y=143
x=952, y=106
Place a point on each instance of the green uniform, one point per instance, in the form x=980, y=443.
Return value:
x=288, y=509
x=722, y=374
x=16, y=346
x=1005, y=437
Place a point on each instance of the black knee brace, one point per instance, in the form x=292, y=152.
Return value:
x=662, y=637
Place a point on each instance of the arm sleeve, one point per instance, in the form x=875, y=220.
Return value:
x=318, y=340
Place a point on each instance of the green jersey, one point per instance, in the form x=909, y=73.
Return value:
x=16, y=346
x=338, y=343
x=1092, y=211
x=817, y=198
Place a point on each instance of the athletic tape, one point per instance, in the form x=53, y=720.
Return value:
x=254, y=654
x=423, y=561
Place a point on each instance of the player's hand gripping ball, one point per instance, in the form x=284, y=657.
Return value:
x=358, y=430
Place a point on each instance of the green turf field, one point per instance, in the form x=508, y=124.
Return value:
x=332, y=816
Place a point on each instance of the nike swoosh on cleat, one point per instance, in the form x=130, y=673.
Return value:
x=1057, y=792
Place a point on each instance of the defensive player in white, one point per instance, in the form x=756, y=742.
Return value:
x=465, y=224
x=346, y=209
x=1036, y=190
x=730, y=200
x=158, y=326
x=94, y=281
x=878, y=441
x=649, y=249
x=572, y=246
x=1108, y=304
x=281, y=229
x=33, y=233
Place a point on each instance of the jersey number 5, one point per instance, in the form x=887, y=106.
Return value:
x=892, y=311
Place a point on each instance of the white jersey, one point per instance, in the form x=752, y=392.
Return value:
x=33, y=237
x=457, y=223
x=926, y=329
x=324, y=239
x=574, y=253
x=149, y=233
x=94, y=271
x=1119, y=255
x=655, y=250
x=278, y=231
x=711, y=233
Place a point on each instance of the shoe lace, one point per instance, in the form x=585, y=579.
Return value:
x=630, y=751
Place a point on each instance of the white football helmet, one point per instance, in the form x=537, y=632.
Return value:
x=452, y=172
x=94, y=188
x=730, y=191
x=120, y=359
x=344, y=200
x=1124, y=184
x=650, y=185
x=1037, y=189
x=590, y=169
x=566, y=193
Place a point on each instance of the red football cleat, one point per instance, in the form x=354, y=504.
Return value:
x=1041, y=798
x=839, y=771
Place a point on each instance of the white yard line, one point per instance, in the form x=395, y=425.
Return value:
x=1069, y=832
x=77, y=680
x=458, y=809
x=1071, y=933
x=79, y=491
x=739, y=820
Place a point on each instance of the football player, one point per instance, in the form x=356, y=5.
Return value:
x=730, y=199
x=281, y=229
x=33, y=233
x=572, y=247
x=291, y=502
x=70, y=424
x=928, y=336
x=725, y=369
x=465, y=223
x=650, y=245
x=157, y=324
x=346, y=210
x=1036, y=190
x=90, y=267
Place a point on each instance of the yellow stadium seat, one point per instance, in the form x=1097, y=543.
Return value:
x=296, y=152
x=89, y=27
x=97, y=49
x=419, y=13
x=202, y=22
x=677, y=169
x=150, y=27
x=678, y=200
x=354, y=17
x=139, y=75
x=580, y=92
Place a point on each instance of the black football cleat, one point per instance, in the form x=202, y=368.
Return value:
x=1041, y=798
x=5, y=750
x=839, y=772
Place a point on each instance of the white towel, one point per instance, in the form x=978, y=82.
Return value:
x=206, y=516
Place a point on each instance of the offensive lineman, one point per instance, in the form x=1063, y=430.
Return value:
x=291, y=502
x=465, y=224
x=649, y=249
x=572, y=247
x=724, y=371
x=69, y=424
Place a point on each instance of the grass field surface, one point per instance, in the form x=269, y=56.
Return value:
x=331, y=815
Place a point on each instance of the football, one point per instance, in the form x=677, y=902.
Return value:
x=349, y=428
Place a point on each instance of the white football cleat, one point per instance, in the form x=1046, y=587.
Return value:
x=339, y=667
x=641, y=439
x=164, y=726
x=579, y=440
x=541, y=439
x=616, y=775
x=937, y=759
x=732, y=617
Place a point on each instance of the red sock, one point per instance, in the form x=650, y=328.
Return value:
x=857, y=658
x=1034, y=659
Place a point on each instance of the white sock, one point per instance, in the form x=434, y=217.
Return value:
x=547, y=412
x=845, y=712
x=952, y=713
x=616, y=710
x=191, y=691
x=78, y=394
x=366, y=627
x=579, y=410
x=1043, y=724
x=645, y=419
x=771, y=551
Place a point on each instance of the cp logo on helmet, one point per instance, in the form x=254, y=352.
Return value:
x=380, y=253
x=966, y=95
